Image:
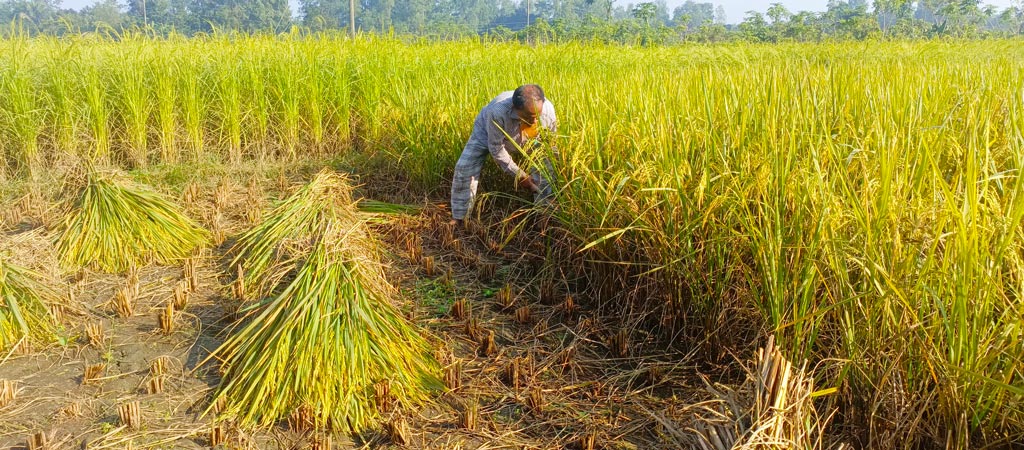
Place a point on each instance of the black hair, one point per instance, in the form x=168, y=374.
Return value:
x=527, y=93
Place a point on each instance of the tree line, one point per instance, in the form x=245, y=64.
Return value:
x=607, y=21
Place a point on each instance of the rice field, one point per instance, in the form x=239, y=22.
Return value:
x=859, y=202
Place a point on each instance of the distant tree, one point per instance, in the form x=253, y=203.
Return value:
x=34, y=16
x=645, y=12
x=889, y=12
x=161, y=15
x=324, y=14
x=603, y=6
x=693, y=15
x=251, y=15
x=849, y=20
x=754, y=27
x=104, y=13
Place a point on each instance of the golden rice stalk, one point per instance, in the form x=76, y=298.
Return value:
x=428, y=266
x=94, y=333
x=460, y=309
x=505, y=296
x=470, y=416
x=522, y=314
x=116, y=225
x=190, y=273
x=73, y=409
x=159, y=366
x=398, y=431
x=487, y=345
x=180, y=296
x=321, y=442
x=453, y=375
x=38, y=441
x=217, y=435
x=487, y=270
x=156, y=385
x=24, y=314
x=535, y=401
x=325, y=340
x=124, y=302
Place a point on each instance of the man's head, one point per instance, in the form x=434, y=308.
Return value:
x=527, y=103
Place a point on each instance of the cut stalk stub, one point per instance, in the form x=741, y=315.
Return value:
x=487, y=346
x=130, y=415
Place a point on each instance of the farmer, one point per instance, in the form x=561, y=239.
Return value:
x=519, y=115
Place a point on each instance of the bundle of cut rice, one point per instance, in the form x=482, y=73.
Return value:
x=328, y=344
x=116, y=225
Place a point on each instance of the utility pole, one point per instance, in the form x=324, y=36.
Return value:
x=528, y=20
x=352, y=18
x=144, y=13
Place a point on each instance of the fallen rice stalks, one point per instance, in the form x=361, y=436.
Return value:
x=772, y=409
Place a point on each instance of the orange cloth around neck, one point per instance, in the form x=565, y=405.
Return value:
x=529, y=131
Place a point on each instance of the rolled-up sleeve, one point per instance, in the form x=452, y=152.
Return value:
x=496, y=145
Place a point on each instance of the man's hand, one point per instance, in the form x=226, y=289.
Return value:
x=526, y=182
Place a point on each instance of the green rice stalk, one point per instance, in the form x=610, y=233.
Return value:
x=164, y=69
x=229, y=100
x=326, y=340
x=21, y=110
x=97, y=110
x=288, y=82
x=134, y=102
x=63, y=87
x=192, y=103
x=116, y=225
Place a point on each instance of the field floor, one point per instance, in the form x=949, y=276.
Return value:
x=556, y=375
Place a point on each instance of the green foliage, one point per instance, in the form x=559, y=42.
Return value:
x=646, y=23
x=436, y=295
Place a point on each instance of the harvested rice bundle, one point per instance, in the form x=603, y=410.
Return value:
x=24, y=315
x=267, y=252
x=116, y=225
x=329, y=346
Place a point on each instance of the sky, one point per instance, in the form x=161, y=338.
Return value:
x=735, y=10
